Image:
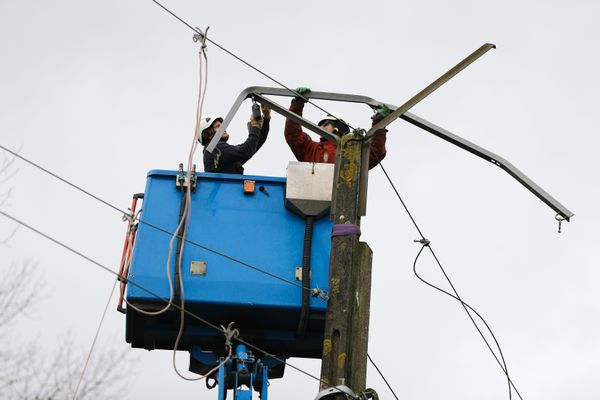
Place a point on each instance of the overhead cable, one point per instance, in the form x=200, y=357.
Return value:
x=197, y=31
x=89, y=355
x=157, y=296
x=426, y=243
x=153, y=226
x=382, y=376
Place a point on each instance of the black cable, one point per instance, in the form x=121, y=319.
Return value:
x=159, y=297
x=296, y=94
x=470, y=308
x=21, y=223
x=502, y=363
x=306, y=255
x=61, y=179
x=151, y=224
x=169, y=233
x=382, y=377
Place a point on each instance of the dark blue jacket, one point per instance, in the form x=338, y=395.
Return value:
x=229, y=159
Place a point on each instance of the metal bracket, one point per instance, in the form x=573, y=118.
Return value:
x=298, y=274
x=184, y=180
x=198, y=268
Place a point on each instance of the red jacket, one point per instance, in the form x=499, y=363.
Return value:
x=306, y=149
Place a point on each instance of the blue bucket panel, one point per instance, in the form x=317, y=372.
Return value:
x=254, y=228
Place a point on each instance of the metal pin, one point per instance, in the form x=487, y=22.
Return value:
x=560, y=219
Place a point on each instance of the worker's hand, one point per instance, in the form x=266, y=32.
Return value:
x=381, y=111
x=302, y=91
x=266, y=111
x=256, y=122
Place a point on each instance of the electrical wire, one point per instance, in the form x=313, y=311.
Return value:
x=466, y=305
x=89, y=355
x=185, y=219
x=501, y=361
x=296, y=94
x=159, y=297
x=154, y=226
x=382, y=376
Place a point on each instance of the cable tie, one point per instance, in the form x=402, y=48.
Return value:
x=318, y=292
x=368, y=394
x=423, y=241
x=230, y=333
x=132, y=218
x=201, y=37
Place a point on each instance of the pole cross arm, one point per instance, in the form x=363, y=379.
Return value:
x=493, y=158
x=431, y=88
x=260, y=92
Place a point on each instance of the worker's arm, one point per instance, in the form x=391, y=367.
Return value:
x=242, y=152
x=377, y=149
x=299, y=142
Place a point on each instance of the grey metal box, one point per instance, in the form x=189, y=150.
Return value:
x=309, y=188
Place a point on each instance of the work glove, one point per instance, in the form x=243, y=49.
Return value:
x=256, y=122
x=381, y=111
x=302, y=91
x=266, y=111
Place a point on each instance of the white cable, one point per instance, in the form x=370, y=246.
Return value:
x=186, y=217
x=165, y=308
x=89, y=356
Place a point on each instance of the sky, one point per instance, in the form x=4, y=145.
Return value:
x=102, y=92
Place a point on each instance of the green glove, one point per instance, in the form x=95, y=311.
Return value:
x=302, y=91
x=381, y=111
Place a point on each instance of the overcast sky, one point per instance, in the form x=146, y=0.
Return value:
x=100, y=92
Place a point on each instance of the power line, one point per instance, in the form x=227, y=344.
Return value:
x=89, y=355
x=193, y=243
x=427, y=244
x=159, y=297
x=196, y=30
x=162, y=230
x=464, y=304
x=382, y=376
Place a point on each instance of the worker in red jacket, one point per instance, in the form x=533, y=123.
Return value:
x=306, y=149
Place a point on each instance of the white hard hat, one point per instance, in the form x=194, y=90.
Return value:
x=207, y=120
x=337, y=122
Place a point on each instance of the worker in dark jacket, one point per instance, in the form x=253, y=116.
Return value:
x=305, y=149
x=229, y=159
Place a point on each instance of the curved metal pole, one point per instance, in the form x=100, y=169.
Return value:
x=442, y=133
x=494, y=159
x=257, y=92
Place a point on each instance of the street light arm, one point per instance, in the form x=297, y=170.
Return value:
x=493, y=158
x=259, y=93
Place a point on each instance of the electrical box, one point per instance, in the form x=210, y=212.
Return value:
x=256, y=229
x=309, y=188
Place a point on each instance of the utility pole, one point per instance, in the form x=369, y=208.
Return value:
x=344, y=360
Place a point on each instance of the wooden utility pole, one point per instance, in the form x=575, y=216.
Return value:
x=344, y=360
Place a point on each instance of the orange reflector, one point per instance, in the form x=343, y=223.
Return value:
x=249, y=186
